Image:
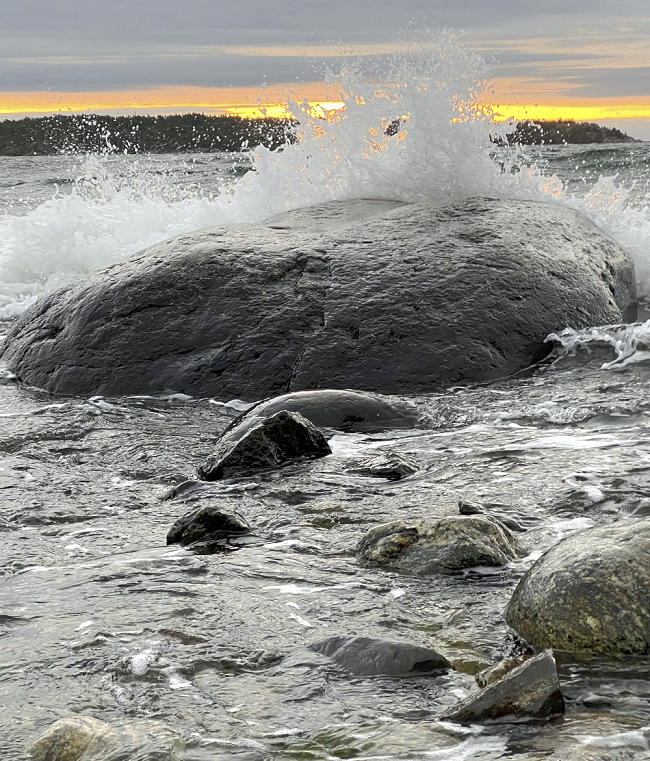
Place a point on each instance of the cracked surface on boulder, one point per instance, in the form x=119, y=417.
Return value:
x=370, y=295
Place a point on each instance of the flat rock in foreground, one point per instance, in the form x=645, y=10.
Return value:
x=364, y=656
x=370, y=295
x=529, y=691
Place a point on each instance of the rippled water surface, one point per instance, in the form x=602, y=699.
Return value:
x=203, y=657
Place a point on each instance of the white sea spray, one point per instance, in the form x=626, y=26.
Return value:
x=413, y=129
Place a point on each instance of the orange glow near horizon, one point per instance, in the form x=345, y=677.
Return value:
x=322, y=102
x=603, y=110
x=249, y=101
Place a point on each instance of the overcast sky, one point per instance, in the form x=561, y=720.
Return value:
x=582, y=49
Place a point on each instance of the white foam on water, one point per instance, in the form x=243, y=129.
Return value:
x=633, y=739
x=629, y=344
x=442, y=151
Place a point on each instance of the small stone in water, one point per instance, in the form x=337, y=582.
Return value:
x=206, y=524
x=385, y=465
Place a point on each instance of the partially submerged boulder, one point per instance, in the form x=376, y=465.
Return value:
x=590, y=593
x=448, y=544
x=268, y=443
x=72, y=738
x=364, y=656
x=384, y=465
x=371, y=295
x=529, y=691
x=343, y=410
x=207, y=524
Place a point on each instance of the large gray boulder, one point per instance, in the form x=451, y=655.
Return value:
x=589, y=594
x=368, y=295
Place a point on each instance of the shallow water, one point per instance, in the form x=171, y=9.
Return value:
x=197, y=657
x=99, y=617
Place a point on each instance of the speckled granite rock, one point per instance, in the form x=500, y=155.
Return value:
x=589, y=593
x=72, y=738
x=448, y=544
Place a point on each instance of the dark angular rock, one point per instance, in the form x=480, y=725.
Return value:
x=364, y=656
x=342, y=410
x=266, y=443
x=530, y=691
x=385, y=465
x=589, y=594
x=448, y=544
x=206, y=524
x=395, y=298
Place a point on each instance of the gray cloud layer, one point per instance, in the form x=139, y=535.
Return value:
x=74, y=45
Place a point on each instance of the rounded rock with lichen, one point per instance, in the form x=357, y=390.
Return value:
x=590, y=593
x=448, y=544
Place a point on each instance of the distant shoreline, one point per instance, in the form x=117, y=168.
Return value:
x=560, y=132
x=187, y=133
x=198, y=133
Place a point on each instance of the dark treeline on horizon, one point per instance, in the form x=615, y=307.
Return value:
x=187, y=133
x=541, y=132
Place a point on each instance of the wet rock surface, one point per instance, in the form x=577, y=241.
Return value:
x=208, y=524
x=343, y=410
x=398, y=298
x=364, y=656
x=590, y=593
x=449, y=544
x=531, y=691
x=98, y=614
x=385, y=465
x=72, y=738
x=265, y=443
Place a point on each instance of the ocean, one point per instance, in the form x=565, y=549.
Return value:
x=196, y=657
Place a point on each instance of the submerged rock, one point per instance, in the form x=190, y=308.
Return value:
x=449, y=544
x=207, y=524
x=364, y=656
x=267, y=443
x=384, y=465
x=530, y=690
x=343, y=410
x=395, y=298
x=589, y=593
x=72, y=738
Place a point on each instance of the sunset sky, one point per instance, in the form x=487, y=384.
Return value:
x=583, y=59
